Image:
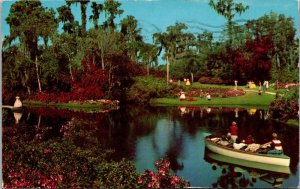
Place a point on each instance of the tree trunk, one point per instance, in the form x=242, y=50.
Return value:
x=37, y=74
x=70, y=69
x=102, y=59
x=168, y=67
x=148, y=67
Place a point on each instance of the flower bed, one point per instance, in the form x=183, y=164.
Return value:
x=285, y=85
x=214, y=92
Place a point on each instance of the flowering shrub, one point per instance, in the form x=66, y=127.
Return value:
x=214, y=92
x=284, y=109
x=231, y=93
x=285, y=85
x=162, y=178
x=211, y=80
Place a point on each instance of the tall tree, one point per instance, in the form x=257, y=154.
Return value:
x=28, y=21
x=282, y=33
x=112, y=8
x=169, y=42
x=228, y=9
x=96, y=9
x=132, y=36
x=67, y=18
x=83, y=6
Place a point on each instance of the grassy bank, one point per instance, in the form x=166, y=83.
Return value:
x=70, y=105
x=293, y=123
x=250, y=99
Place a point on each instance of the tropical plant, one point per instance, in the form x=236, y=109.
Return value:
x=228, y=9
x=163, y=178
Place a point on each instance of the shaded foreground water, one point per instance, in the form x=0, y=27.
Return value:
x=145, y=134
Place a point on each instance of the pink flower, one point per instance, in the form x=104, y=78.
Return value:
x=140, y=180
x=162, y=171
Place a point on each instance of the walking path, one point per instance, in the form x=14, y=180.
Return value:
x=272, y=93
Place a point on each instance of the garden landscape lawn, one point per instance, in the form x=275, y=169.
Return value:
x=250, y=99
x=75, y=106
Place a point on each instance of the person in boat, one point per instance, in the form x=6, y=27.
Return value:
x=239, y=144
x=249, y=140
x=224, y=141
x=275, y=144
x=233, y=131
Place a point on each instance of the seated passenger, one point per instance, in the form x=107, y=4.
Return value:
x=249, y=139
x=239, y=144
x=252, y=147
x=275, y=144
x=223, y=141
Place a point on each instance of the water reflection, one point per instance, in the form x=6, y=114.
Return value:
x=237, y=173
x=145, y=134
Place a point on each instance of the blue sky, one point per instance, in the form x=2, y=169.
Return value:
x=157, y=15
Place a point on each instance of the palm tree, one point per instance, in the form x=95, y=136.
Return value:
x=169, y=41
x=83, y=4
x=96, y=9
x=132, y=36
x=28, y=21
x=112, y=8
x=67, y=18
x=228, y=9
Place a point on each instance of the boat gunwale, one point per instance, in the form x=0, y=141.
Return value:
x=282, y=156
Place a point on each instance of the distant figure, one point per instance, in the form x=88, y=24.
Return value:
x=18, y=103
x=264, y=86
x=233, y=131
x=259, y=92
x=182, y=96
x=188, y=83
x=267, y=85
x=208, y=97
x=235, y=84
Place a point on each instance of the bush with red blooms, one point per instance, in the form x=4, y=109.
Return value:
x=162, y=178
x=214, y=92
x=89, y=86
x=211, y=80
x=253, y=61
x=285, y=85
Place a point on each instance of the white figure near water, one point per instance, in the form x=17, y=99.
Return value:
x=18, y=103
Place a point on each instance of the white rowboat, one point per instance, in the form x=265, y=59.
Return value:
x=275, y=159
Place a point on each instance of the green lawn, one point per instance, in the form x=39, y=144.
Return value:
x=250, y=99
x=70, y=106
x=199, y=85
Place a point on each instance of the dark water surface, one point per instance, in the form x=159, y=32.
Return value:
x=145, y=134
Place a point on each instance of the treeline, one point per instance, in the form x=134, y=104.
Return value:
x=80, y=63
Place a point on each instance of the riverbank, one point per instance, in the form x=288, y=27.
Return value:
x=76, y=106
x=249, y=99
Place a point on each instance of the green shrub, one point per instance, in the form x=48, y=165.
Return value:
x=116, y=175
x=146, y=88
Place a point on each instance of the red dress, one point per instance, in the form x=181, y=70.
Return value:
x=233, y=130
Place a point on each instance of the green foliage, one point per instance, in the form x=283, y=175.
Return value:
x=291, y=94
x=286, y=107
x=146, y=88
x=116, y=175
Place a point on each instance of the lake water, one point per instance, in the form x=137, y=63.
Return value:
x=146, y=134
